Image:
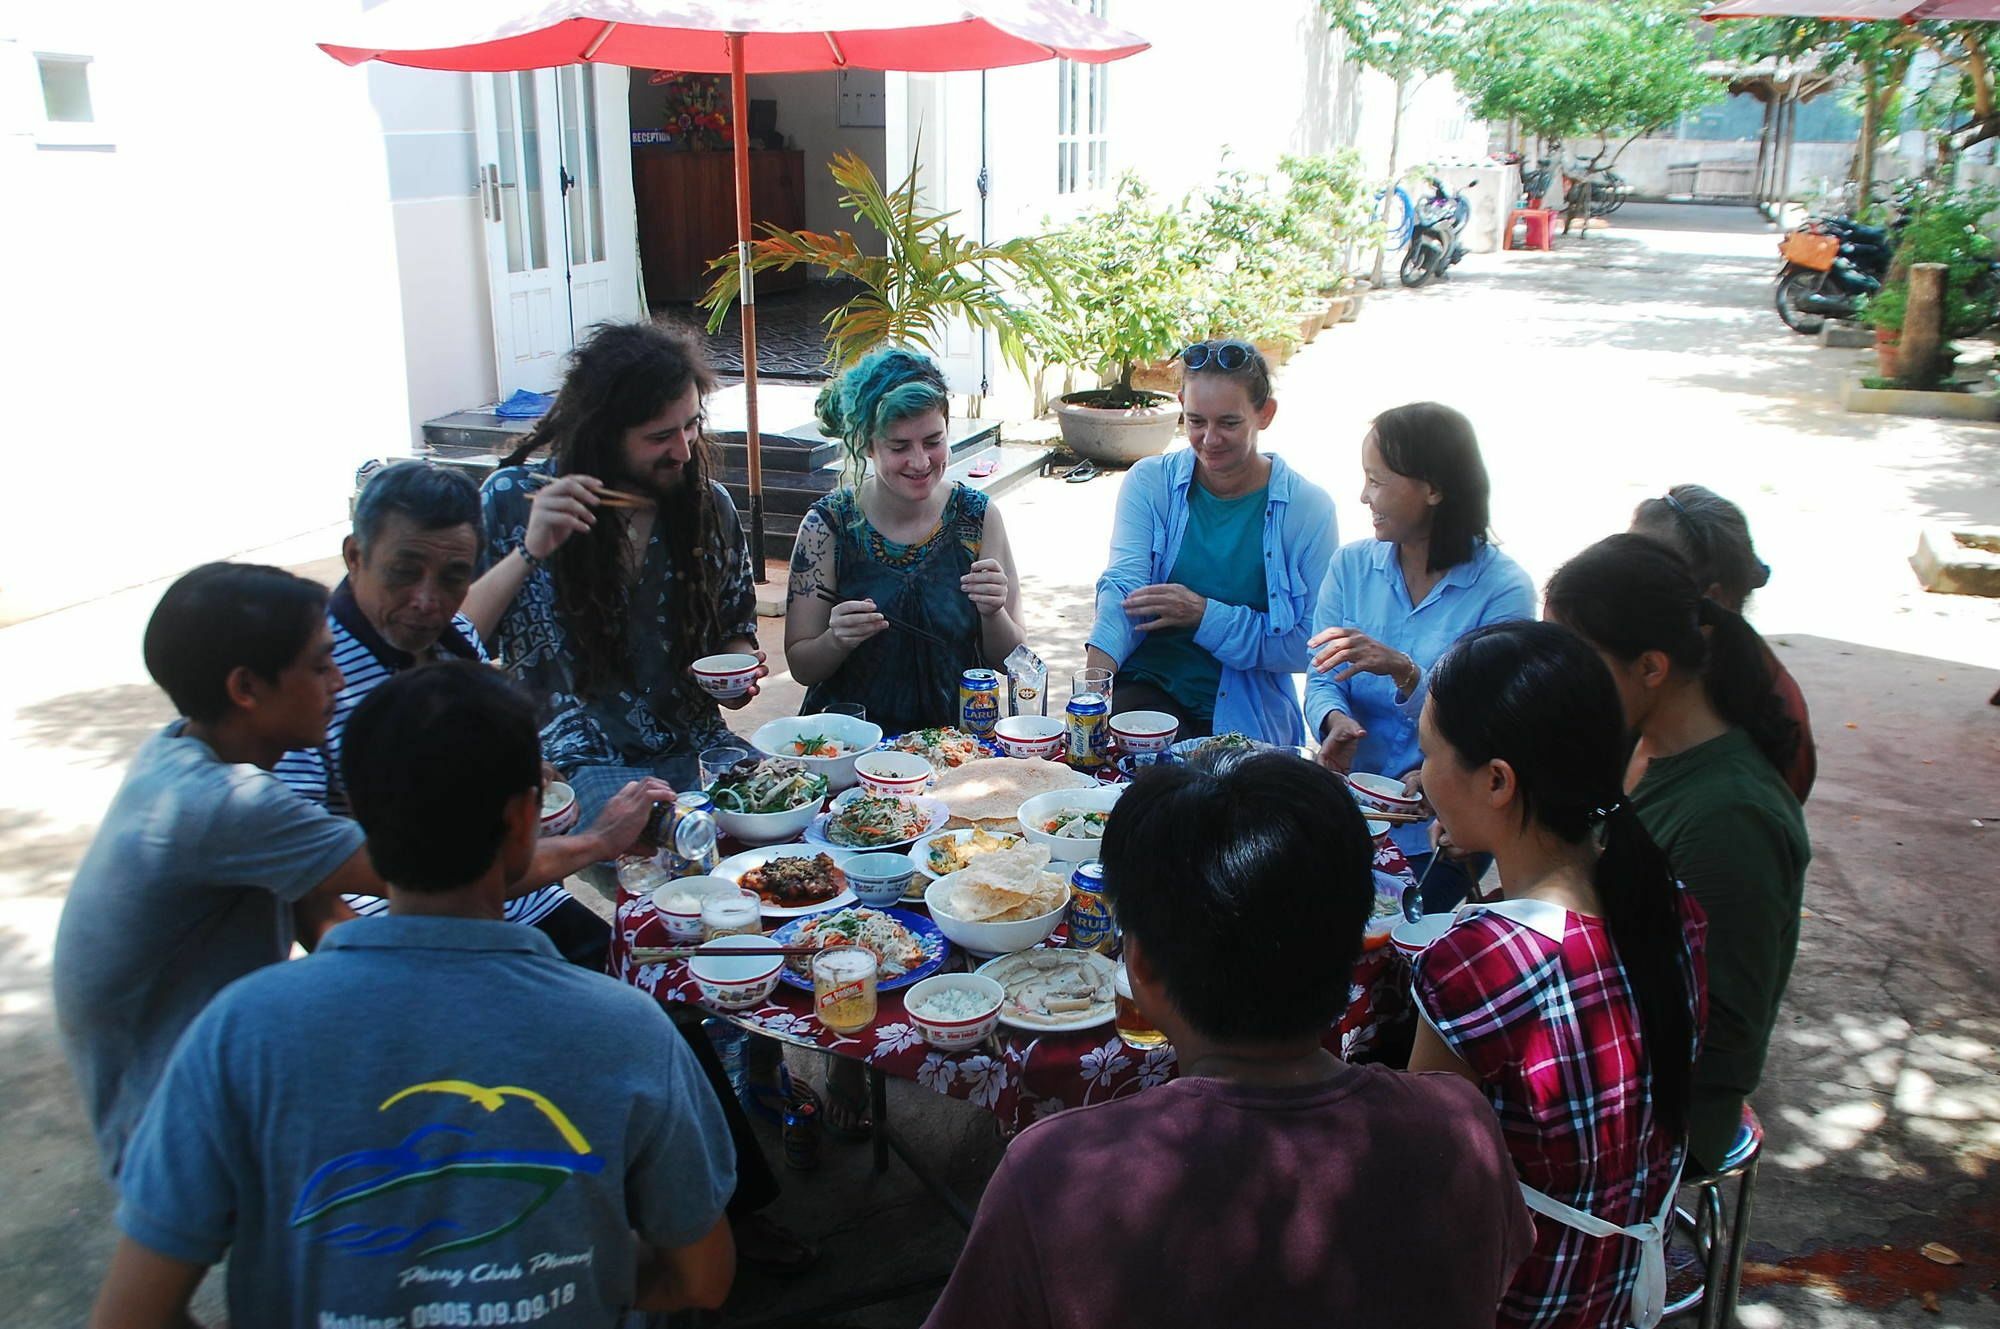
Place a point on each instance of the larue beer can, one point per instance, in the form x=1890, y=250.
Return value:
x=1089, y=917
x=1089, y=719
x=688, y=848
x=978, y=702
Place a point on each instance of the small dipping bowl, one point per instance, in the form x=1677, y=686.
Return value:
x=735, y=982
x=678, y=903
x=1413, y=939
x=894, y=773
x=1030, y=736
x=559, y=810
x=1384, y=793
x=878, y=879
x=954, y=1035
x=1140, y=732
x=725, y=677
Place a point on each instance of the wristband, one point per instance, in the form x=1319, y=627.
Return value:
x=526, y=557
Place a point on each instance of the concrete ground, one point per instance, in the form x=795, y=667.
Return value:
x=1644, y=355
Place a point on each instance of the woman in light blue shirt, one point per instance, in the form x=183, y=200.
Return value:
x=1216, y=553
x=1391, y=605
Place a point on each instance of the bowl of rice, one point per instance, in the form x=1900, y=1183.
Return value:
x=678, y=903
x=954, y=1011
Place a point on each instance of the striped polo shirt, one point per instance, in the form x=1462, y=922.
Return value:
x=366, y=660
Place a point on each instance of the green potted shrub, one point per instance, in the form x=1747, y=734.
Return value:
x=1115, y=287
x=1947, y=228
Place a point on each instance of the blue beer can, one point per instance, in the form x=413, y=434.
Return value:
x=1089, y=917
x=979, y=701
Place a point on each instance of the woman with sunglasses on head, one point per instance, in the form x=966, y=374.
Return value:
x=1692, y=682
x=1393, y=603
x=1574, y=999
x=900, y=579
x=1216, y=551
x=1713, y=538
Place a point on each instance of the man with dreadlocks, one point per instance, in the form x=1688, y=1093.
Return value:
x=602, y=606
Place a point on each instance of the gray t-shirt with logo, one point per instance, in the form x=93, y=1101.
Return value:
x=187, y=887
x=481, y=1154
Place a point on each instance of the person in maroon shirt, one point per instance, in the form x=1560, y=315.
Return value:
x=1712, y=536
x=1271, y=1183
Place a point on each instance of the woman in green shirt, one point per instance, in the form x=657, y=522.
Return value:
x=1693, y=681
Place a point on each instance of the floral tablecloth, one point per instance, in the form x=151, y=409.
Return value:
x=1019, y=1077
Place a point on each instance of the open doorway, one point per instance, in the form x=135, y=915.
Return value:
x=684, y=191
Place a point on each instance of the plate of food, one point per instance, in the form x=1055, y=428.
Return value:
x=944, y=749
x=989, y=794
x=764, y=801
x=791, y=879
x=1229, y=742
x=1006, y=901
x=861, y=820
x=907, y=946
x=1069, y=823
x=947, y=852
x=1054, y=991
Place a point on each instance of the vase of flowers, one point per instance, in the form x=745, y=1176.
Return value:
x=694, y=111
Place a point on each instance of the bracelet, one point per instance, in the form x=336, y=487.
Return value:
x=526, y=557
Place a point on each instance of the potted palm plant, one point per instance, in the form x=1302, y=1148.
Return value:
x=1114, y=289
x=928, y=276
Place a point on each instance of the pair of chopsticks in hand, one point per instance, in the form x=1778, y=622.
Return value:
x=608, y=497
x=895, y=623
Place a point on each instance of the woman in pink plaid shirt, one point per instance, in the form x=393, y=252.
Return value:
x=1574, y=1000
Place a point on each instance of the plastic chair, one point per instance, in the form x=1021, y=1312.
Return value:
x=1540, y=228
x=1719, y=1244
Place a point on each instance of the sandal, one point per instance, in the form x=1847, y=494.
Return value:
x=1082, y=471
x=845, y=1120
x=982, y=468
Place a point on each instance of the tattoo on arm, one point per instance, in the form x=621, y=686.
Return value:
x=812, y=558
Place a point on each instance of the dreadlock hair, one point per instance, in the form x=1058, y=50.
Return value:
x=622, y=376
x=1629, y=594
x=881, y=388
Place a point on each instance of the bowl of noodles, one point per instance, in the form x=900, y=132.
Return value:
x=767, y=800
x=827, y=744
x=1006, y=901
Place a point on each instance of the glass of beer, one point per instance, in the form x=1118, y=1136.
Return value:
x=726, y=914
x=1134, y=1029
x=844, y=979
x=1086, y=681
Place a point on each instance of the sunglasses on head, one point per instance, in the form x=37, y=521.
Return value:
x=1229, y=355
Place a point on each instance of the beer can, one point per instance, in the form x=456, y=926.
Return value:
x=690, y=849
x=978, y=702
x=1089, y=718
x=1089, y=917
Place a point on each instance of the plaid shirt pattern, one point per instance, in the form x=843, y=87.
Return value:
x=1553, y=1032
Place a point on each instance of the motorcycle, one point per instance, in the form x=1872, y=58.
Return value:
x=1830, y=264
x=1434, y=244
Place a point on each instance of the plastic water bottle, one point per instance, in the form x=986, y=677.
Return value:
x=732, y=1048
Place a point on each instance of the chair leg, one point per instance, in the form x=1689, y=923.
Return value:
x=1711, y=1292
x=1739, y=1242
x=878, y=1108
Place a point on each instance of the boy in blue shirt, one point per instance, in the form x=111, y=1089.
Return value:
x=514, y=1139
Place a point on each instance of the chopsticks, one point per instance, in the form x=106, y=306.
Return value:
x=644, y=955
x=896, y=623
x=606, y=496
x=1398, y=818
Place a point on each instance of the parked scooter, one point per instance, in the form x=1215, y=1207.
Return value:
x=1830, y=264
x=1434, y=240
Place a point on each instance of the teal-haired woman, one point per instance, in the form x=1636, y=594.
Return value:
x=898, y=544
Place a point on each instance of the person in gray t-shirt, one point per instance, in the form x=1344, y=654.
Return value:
x=514, y=1141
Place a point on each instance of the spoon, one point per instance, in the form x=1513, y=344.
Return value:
x=1413, y=895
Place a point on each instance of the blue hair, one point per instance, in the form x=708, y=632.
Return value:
x=883, y=387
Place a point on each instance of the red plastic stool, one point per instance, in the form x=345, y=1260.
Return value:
x=1540, y=228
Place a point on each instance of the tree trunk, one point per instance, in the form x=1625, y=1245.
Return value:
x=1763, y=155
x=1923, y=326
x=1865, y=150
x=1389, y=195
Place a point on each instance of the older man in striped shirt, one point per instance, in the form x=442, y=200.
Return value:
x=410, y=561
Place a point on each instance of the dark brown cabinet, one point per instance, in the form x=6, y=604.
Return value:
x=687, y=215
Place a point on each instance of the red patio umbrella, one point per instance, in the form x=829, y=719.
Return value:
x=1859, y=11
x=736, y=37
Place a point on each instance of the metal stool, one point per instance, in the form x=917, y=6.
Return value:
x=1719, y=1244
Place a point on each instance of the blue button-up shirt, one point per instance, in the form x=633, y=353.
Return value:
x=1259, y=651
x=1364, y=590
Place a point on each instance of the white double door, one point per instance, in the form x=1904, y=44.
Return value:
x=555, y=193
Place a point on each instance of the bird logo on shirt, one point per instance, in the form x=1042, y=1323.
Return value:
x=475, y=1163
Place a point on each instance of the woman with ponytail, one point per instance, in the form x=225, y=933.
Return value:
x=1574, y=1001
x=899, y=543
x=1697, y=696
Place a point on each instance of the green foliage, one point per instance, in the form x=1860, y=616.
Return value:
x=1115, y=286
x=1948, y=228
x=1404, y=39
x=1325, y=212
x=1564, y=68
x=929, y=275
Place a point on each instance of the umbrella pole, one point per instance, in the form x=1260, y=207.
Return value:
x=739, y=119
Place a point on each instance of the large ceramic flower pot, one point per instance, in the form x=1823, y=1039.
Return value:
x=1116, y=436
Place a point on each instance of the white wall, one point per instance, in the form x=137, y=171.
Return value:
x=447, y=319
x=809, y=118
x=203, y=311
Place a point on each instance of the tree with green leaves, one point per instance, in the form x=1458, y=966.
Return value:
x=1406, y=40
x=1608, y=69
